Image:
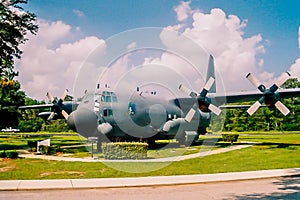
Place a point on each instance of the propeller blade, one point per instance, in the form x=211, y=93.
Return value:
x=65, y=114
x=253, y=108
x=189, y=116
x=51, y=116
x=209, y=83
x=253, y=80
x=282, y=108
x=214, y=109
x=64, y=94
x=50, y=97
x=283, y=79
x=187, y=91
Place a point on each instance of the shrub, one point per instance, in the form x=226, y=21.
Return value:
x=125, y=150
x=2, y=154
x=12, y=154
x=230, y=137
x=56, y=148
x=46, y=150
x=32, y=144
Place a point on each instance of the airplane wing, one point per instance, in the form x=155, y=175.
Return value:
x=269, y=97
x=236, y=97
x=49, y=105
x=56, y=109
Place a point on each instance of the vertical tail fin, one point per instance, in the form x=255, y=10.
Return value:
x=211, y=73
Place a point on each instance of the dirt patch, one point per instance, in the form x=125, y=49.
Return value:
x=6, y=169
x=45, y=174
x=6, y=165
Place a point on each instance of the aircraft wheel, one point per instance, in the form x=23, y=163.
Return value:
x=181, y=140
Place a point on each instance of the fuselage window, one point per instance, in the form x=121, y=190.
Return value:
x=107, y=112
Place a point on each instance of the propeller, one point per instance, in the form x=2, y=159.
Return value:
x=270, y=96
x=204, y=103
x=57, y=105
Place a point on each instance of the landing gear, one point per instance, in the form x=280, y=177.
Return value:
x=100, y=141
x=151, y=142
x=99, y=145
x=188, y=138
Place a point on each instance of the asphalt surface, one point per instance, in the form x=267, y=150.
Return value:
x=15, y=185
x=270, y=188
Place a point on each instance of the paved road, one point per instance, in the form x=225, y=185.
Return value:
x=272, y=188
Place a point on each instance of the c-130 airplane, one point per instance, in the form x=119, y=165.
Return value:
x=147, y=117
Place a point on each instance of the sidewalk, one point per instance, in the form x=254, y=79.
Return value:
x=11, y=185
x=168, y=159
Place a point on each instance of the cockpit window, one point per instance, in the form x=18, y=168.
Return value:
x=109, y=97
x=96, y=97
x=114, y=97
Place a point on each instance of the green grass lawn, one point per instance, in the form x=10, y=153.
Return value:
x=276, y=151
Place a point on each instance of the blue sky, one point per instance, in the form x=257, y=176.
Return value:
x=276, y=21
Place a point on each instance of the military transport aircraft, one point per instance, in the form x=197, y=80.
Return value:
x=146, y=116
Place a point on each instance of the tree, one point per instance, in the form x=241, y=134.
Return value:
x=30, y=121
x=11, y=97
x=15, y=23
x=291, y=83
x=292, y=121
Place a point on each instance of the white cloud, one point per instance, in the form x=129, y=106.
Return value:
x=51, y=32
x=295, y=69
x=78, y=13
x=45, y=67
x=261, y=62
x=299, y=37
x=183, y=10
x=131, y=46
x=223, y=37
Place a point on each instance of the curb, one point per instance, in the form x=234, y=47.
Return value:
x=16, y=185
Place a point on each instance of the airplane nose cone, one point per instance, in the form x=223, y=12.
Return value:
x=71, y=121
x=84, y=121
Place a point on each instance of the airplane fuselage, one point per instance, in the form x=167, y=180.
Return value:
x=141, y=117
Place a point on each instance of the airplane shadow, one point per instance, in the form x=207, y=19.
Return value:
x=206, y=142
x=277, y=144
x=287, y=188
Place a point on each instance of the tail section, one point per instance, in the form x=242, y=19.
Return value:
x=211, y=73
